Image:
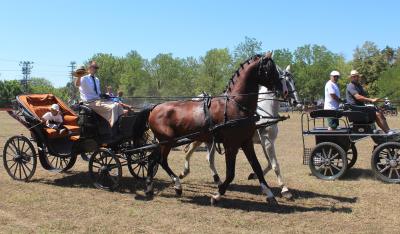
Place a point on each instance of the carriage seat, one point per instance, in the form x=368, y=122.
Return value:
x=39, y=104
x=322, y=131
x=326, y=114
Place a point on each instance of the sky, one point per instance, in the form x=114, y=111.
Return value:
x=54, y=33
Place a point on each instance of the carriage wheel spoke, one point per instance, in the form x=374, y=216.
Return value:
x=334, y=156
x=12, y=165
x=325, y=171
x=397, y=172
x=390, y=173
x=23, y=169
x=384, y=169
x=334, y=166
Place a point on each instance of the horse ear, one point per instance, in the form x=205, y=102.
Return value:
x=288, y=68
x=268, y=54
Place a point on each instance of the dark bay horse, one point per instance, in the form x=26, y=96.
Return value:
x=171, y=120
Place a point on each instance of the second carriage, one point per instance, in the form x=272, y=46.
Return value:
x=335, y=151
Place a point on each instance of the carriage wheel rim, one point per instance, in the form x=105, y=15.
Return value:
x=387, y=163
x=105, y=170
x=327, y=161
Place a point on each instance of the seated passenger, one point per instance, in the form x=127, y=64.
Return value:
x=356, y=95
x=54, y=119
x=332, y=98
x=89, y=89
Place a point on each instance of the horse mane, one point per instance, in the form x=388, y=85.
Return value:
x=237, y=72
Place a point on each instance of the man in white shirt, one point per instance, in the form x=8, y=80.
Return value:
x=332, y=98
x=89, y=89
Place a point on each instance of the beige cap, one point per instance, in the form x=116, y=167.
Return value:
x=354, y=73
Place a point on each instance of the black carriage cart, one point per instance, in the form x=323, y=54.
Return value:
x=107, y=149
x=335, y=151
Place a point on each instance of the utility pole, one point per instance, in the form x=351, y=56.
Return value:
x=26, y=72
x=72, y=89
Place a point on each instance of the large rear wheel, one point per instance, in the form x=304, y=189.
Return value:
x=328, y=161
x=385, y=162
x=19, y=158
x=138, y=164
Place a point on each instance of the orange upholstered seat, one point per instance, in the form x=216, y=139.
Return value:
x=39, y=104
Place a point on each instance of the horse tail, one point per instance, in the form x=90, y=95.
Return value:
x=141, y=122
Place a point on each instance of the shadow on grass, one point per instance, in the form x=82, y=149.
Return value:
x=357, y=174
x=251, y=205
x=82, y=180
x=297, y=194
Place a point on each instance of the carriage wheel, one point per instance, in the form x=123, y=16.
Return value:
x=19, y=158
x=138, y=163
x=57, y=164
x=385, y=162
x=328, y=161
x=105, y=169
x=352, y=156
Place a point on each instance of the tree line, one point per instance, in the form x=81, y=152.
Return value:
x=166, y=75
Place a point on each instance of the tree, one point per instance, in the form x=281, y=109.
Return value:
x=283, y=57
x=215, y=71
x=246, y=49
x=370, y=62
x=9, y=89
x=312, y=66
x=389, y=82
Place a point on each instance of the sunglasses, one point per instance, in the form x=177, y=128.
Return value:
x=94, y=67
x=336, y=76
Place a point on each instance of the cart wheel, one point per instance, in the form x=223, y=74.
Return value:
x=385, y=162
x=105, y=169
x=352, y=156
x=328, y=161
x=138, y=163
x=57, y=164
x=19, y=158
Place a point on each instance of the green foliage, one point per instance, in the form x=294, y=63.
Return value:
x=371, y=62
x=166, y=75
x=9, y=89
x=389, y=83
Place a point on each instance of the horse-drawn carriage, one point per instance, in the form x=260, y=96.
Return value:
x=335, y=151
x=107, y=149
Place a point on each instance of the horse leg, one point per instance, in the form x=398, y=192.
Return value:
x=211, y=162
x=191, y=148
x=248, y=149
x=164, y=164
x=266, y=145
x=275, y=166
x=154, y=158
x=230, y=161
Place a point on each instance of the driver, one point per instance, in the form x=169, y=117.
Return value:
x=356, y=95
x=89, y=89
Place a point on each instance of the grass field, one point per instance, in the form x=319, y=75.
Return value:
x=68, y=202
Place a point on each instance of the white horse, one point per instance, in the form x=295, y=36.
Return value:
x=268, y=107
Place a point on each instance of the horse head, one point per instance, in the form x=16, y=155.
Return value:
x=268, y=74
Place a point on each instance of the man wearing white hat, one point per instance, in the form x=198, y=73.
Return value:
x=332, y=98
x=356, y=95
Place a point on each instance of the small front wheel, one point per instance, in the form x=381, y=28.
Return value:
x=19, y=158
x=385, y=162
x=105, y=169
x=328, y=161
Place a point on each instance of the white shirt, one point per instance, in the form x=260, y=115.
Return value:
x=52, y=118
x=87, y=90
x=330, y=103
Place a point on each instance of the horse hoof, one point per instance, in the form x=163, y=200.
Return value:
x=287, y=195
x=217, y=180
x=149, y=193
x=252, y=176
x=271, y=201
x=178, y=192
x=214, y=202
x=181, y=176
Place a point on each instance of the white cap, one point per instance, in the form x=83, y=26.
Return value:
x=55, y=107
x=354, y=73
x=335, y=73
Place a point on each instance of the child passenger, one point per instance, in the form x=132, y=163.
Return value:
x=54, y=119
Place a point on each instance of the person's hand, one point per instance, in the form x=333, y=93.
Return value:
x=373, y=100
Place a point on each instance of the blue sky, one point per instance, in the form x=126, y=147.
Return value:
x=53, y=33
